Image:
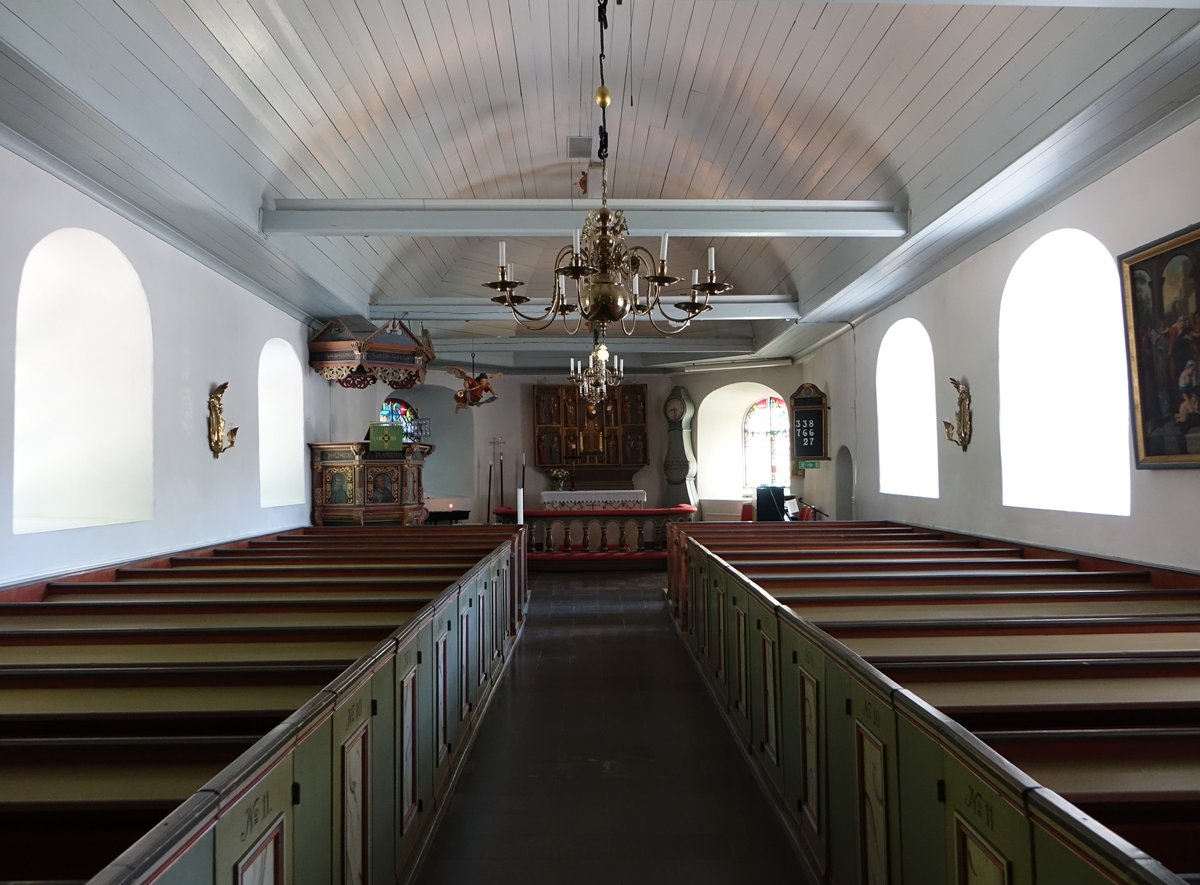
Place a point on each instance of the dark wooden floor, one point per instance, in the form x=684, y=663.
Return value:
x=602, y=758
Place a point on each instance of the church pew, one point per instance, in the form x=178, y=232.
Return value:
x=756, y=639
x=960, y=606
x=150, y=697
x=267, y=556
x=415, y=586
x=861, y=565
x=768, y=555
x=309, y=757
x=450, y=570
x=188, y=644
x=81, y=616
x=168, y=708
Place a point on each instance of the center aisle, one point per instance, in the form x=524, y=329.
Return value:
x=603, y=759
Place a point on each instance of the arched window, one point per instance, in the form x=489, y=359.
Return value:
x=397, y=411
x=908, y=426
x=765, y=450
x=1064, y=401
x=83, y=423
x=280, y=425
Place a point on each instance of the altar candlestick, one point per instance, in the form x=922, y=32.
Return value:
x=491, y=464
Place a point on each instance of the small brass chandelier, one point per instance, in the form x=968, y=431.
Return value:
x=608, y=273
x=596, y=377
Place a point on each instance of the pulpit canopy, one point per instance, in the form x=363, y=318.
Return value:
x=354, y=352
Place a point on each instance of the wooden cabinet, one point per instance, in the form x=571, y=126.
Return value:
x=602, y=445
x=354, y=486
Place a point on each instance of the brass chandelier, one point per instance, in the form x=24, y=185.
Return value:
x=608, y=273
x=596, y=377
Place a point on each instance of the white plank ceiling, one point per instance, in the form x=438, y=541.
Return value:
x=194, y=115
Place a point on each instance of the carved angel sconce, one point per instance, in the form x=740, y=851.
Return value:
x=218, y=439
x=959, y=432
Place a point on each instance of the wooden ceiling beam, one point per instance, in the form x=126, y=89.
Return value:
x=557, y=218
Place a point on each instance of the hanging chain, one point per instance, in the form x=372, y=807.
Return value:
x=602, y=14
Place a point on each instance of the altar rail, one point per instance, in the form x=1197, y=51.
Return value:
x=592, y=536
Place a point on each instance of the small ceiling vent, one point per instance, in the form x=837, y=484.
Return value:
x=579, y=147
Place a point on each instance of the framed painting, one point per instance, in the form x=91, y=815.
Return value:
x=383, y=485
x=1161, y=287
x=339, y=485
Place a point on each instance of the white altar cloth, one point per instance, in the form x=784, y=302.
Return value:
x=596, y=499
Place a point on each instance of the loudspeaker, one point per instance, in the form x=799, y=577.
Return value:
x=770, y=504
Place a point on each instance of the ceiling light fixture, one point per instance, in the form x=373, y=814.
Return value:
x=608, y=273
x=596, y=377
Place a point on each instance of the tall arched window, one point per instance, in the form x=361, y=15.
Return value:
x=1064, y=400
x=280, y=425
x=83, y=422
x=765, y=451
x=908, y=425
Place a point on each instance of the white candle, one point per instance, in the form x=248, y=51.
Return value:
x=662, y=249
x=695, y=277
x=502, y=261
x=635, y=285
x=572, y=365
x=562, y=285
x=575, y=240
x=510, y=273
x=712, y=258
x=520, y=506
x=522, y=459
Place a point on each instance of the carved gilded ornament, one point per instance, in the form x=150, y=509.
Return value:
x=218, y=439
x=959, y=432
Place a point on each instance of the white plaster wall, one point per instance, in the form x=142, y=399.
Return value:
x=206, y=330
x=1149, y=197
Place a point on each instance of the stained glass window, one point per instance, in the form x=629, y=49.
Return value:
x=765, y=443
x=397, y=411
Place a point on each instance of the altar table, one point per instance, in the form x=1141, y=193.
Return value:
x=595, y=499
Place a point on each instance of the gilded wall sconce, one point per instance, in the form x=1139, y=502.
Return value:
x=218, y=440
x=959, y=432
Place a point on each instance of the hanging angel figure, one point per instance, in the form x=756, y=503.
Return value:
x=476, y=391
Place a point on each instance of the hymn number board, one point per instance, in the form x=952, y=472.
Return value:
x=810, y=425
